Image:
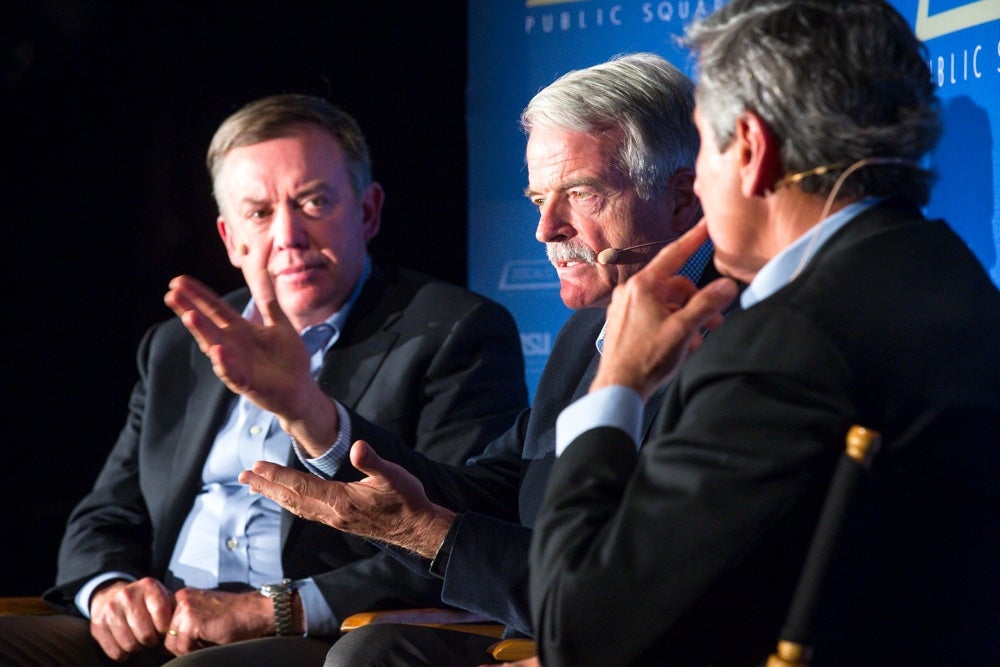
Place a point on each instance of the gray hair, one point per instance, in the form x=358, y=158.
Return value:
x=280, y=116
x=836, y=81
x=641, y=94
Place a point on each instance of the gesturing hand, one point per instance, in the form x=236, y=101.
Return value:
x=656, y=318
x=266, y=362
x=388, y=505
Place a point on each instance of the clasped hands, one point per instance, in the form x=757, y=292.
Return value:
x=127, y=617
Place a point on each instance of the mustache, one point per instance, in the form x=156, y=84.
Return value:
x=570, y=252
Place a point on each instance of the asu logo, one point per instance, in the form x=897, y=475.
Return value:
x=955, y=19
x=536, y=344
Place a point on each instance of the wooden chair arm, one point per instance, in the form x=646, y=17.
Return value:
x=512, y=650
x=449, y=619
x=25, y=606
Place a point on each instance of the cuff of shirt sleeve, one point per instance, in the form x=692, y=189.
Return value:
x=83, y=596
x=327, y=464
x=440, y=563
x=615, y=406
x=317, y=615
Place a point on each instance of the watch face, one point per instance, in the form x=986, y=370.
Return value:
x=277, y=589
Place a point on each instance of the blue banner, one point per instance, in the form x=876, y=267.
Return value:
x=517, y=47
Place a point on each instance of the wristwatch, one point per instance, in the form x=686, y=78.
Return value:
x=281, y=596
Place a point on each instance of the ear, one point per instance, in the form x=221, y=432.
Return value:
x=232, y=243
x=759, y=155
x=686, y=207
x=371, y=209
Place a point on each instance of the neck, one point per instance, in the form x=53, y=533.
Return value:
x=793, y=213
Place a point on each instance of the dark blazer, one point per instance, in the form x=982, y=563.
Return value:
x=435, y=364
x=687, y=552
x=499, y=492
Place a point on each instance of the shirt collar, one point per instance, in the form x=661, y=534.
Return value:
x=692, y=270
x=786, y=265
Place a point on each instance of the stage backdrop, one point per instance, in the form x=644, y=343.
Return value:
x=518, y=46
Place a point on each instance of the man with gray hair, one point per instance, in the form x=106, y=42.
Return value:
x=609, y=153
x=814, y=117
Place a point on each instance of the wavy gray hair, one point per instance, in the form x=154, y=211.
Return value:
x=836, y=81
x=641, y=94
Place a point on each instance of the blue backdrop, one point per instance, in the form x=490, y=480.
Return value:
x=518, y=46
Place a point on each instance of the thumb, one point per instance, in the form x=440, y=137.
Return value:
x=258, y=279
x=364, y=458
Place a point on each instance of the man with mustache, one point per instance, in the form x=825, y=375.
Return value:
x=815, y=117
x=169, y=553
x=609, y=154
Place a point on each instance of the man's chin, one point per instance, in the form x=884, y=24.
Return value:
x=302, y=298
x=576, y=297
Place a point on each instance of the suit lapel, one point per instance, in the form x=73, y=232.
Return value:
x=363, y=344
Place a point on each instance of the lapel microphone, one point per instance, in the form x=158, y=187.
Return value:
x=624, y=255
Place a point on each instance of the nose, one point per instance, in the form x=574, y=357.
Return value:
x=288, y=229
x=553, y=226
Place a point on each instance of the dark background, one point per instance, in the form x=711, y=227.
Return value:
x=109, y=108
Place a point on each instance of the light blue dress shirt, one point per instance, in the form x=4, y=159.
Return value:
x=621, y=407
x=232, y=534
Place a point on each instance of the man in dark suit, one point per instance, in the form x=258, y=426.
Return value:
x=169, y=550
x=858, y=310
x=609, y=157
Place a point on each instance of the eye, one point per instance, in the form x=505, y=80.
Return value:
x=259, y=214
x=580, y=195
x=537, y=201
x=315, y=204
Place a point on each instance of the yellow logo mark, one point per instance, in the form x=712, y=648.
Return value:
x=953, y=20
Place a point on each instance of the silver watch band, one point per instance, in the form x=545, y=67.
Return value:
x=281, y=597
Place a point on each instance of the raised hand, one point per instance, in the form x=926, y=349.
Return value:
x=656, y=318
x=388, y=505
x=266, y=362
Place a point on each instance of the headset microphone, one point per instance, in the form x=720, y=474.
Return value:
x=621, y=255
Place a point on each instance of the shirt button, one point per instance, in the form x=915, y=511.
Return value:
x=232, y=543
x=255, y=429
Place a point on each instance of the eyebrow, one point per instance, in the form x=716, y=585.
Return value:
x=584, y=181
x=309, y=189
x=314, y=187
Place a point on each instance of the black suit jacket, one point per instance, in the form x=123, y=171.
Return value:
x=437, y=365
x=499, y=492
x=690, y=549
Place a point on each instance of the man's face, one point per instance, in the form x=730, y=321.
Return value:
x=291, y=200
x=732, y=218
x=585, y=205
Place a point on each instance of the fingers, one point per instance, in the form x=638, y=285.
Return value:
x=672, y=257
x=189, y=294
x=128, y=618
x=202, y=311
x=704, y=309
x=261, y=285
x=298, y=492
